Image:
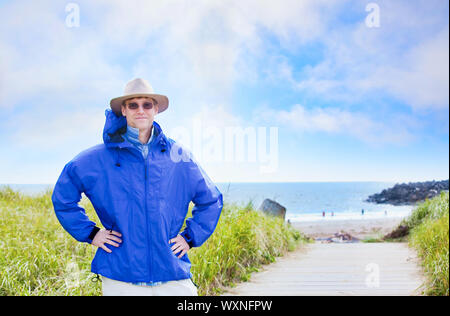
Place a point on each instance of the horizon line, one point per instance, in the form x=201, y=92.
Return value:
x=253, y=182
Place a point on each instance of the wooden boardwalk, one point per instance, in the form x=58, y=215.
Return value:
x=339, y=269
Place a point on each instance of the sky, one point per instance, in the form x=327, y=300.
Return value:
x=314, y=90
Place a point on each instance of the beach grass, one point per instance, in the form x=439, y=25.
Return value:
x=429, y=235
x=427, y=231
x=380, y=238
x=372, y=239
x=37, y=257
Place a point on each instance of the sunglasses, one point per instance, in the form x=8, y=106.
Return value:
x=135, y=106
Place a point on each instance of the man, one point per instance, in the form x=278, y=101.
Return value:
x=141, y=197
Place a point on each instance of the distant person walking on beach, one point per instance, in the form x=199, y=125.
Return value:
x=141, y=196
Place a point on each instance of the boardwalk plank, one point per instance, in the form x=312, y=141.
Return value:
x=339, y=269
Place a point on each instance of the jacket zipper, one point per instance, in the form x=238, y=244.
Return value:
x=149, y=254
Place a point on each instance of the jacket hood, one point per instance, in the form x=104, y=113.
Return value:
x=116, y=126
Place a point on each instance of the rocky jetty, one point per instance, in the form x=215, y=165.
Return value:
x=410, y=193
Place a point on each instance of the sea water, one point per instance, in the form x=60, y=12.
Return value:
x=304, y=201
x=309, y=201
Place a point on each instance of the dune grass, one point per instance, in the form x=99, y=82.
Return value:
x=37, y=257
x=429, y=235
x=430, y=209
x=427, y=230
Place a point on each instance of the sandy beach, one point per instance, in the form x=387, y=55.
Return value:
x=359, y=228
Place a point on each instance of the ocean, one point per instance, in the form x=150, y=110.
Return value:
x=304, y=201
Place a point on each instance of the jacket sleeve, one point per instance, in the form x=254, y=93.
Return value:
x=65, y=198
x=208, y=204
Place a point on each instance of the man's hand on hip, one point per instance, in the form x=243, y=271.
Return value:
x=106, y=237
x=180, y=245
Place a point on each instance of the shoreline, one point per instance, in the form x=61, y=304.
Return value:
x=359, y=228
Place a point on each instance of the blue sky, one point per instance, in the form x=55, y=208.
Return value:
x=351, y=102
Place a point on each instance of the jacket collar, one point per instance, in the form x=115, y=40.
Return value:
x=116, y=126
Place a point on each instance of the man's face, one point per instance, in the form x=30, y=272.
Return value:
x=140, y=112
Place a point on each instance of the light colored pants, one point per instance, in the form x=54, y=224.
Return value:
x=172, y=288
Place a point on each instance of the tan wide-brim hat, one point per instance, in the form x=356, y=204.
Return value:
x=139, y=88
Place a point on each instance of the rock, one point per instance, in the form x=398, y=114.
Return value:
x=271, y=207
x=400, y=231
x=411, y=193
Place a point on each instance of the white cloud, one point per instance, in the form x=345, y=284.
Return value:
x=201, y=46
x=407, y=58
x=423, y=80
x=205, y=46
x=43, y=58
x=337, y=121
x=190, y=130
x=53, y=130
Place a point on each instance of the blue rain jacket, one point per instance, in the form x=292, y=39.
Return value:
x=146, y=200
